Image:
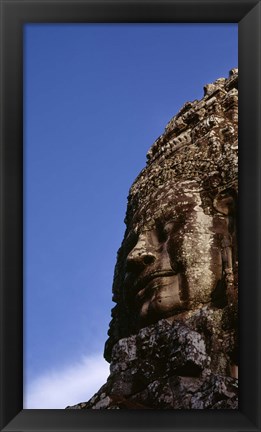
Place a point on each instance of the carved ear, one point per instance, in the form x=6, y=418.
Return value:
x=224, y=203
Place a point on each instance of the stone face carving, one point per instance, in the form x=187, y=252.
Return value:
x=173, y=335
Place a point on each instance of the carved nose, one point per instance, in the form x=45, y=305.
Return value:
x=138, y=259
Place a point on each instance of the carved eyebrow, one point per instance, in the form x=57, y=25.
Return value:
x=161, y=222
x=176, y=223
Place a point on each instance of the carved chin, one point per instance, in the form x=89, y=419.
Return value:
x=164, y=302
x=161, y=307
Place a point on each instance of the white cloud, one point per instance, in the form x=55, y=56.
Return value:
x=57, y=389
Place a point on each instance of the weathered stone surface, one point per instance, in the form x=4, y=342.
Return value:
x=173, y=335
x=170, y=365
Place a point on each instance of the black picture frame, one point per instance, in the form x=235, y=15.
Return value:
x=15, y=13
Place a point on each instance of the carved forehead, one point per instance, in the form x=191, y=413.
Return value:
x=170, y=201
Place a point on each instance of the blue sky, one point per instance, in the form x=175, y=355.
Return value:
x=96, y=96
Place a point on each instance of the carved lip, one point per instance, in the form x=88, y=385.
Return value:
x=142, y=282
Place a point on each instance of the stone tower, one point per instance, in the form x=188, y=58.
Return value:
x=173, y=335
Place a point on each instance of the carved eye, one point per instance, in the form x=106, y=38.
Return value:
x=164, y=231
x=168, y=228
